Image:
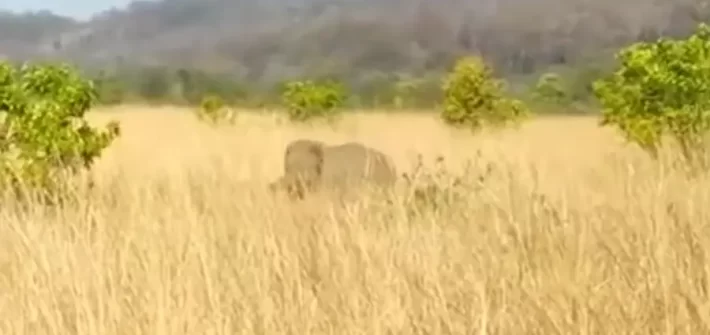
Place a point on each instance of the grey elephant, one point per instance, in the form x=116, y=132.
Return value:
x=311, y=165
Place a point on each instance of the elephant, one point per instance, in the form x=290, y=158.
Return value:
x=311, y=165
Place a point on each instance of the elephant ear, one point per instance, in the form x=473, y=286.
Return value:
x=287, y=153
x=317, y=152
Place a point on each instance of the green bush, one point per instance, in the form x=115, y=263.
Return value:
x=661, y=88
x=308, y=100
x=549, y=89
x=214, y=111
x=43, y=131
x=473, y=98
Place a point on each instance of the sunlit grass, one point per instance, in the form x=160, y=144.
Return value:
x=572, y=232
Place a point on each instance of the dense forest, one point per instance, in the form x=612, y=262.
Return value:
x=242, y=44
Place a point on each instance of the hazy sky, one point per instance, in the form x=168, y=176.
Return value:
x=81, y=9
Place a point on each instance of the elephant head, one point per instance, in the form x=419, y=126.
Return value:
x=303, y=168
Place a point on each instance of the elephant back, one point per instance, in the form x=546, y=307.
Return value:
x=355, y=163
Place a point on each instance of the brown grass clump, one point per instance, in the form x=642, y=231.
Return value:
x=566, y=232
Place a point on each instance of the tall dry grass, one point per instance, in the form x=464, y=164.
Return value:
x=571, y=233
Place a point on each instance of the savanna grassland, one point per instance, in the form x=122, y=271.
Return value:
x=570, y=231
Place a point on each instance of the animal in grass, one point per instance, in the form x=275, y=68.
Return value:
x=310, y=166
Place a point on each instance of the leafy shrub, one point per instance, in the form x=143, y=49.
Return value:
x=43, y=131
x=214, y=111
x=661, y=88
x=549, y=89
x=307, y=100
x=473, y=98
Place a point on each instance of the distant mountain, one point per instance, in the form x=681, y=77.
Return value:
x=268, y=39
x=21, y=35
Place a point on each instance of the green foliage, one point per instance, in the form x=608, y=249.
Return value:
x=549, y=89
x=307, y=100
x=661, y=88
x=473, y=98
x=214, y=111
x=43, y=130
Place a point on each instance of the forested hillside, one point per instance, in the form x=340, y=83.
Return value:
x=267, y=41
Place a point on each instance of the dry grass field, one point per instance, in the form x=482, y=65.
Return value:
x=571, y=232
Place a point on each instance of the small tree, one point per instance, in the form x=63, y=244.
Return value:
x=548, y=89
x=473, y=98
x=661, y=88
x=214, y=111
x=307, y=100
x=43, y=130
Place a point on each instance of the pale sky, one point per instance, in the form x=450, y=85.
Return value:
x=80, y=9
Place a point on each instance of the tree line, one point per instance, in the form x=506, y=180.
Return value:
x=560, y=86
